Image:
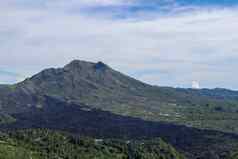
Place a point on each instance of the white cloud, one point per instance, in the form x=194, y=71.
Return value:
x=87, y=3
x=107, y=2
x=169, y=50
x=195, y=85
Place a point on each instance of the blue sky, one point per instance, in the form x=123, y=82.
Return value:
x=9, y=77
x=161, y=42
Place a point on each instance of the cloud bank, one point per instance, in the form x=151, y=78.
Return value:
x=167, y=43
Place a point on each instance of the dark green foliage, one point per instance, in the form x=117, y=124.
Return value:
x=153, y=149
x=45, y=144
x=58, y=115
x=233, y=155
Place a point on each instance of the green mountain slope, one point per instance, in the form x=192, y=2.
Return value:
x=99, y=86
x=94, y=100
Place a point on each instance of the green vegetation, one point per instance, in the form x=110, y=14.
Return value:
x=45, y=144
x=203, y=117
x=233, y=156
x=99, y=86
x=94, y=100
x=8, y=151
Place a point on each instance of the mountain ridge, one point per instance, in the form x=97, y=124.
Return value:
x=92, y=99
x=99, y=86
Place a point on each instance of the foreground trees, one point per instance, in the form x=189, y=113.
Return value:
x=46, y=144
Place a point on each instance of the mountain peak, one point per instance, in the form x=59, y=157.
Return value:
x=85, y=65
x=79, y=64
x=100, y=66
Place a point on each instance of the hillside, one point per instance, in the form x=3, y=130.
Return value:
x=99, y=86
x=46, y=144
x=93, y=100
x=82, y=121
